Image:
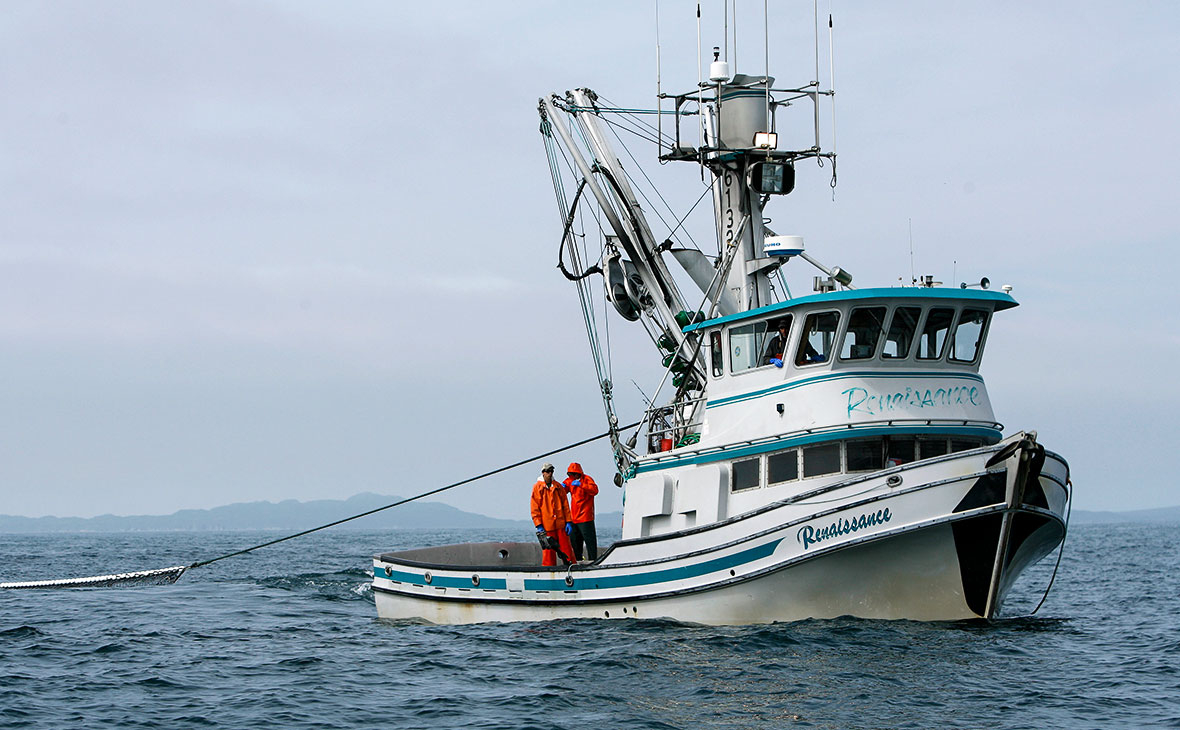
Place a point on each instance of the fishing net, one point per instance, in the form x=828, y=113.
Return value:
x=159, y=576
x=166, y=576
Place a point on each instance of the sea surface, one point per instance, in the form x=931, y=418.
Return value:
x=287, y=637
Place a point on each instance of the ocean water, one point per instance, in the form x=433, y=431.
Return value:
x=288, y=637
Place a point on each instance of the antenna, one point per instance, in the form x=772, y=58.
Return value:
x=832, y=80
x=700, y=90
x=735, y=63
x=815, y=9
x=766, y=49
x=725, y=23
x=659, y=101
x=913, y=279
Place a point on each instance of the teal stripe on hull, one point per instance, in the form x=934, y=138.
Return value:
x=441, y=581
x=582, y=583
x=586, y=581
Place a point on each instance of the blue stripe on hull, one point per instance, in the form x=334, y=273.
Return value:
x=441, y=581
x=658, y=576
x=583, y=580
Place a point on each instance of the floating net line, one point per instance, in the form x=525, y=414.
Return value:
x=159, y=576
x=165, y=576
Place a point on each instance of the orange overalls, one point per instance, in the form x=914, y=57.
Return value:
x=551, y=511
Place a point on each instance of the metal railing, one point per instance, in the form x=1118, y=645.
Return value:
x=821, y=430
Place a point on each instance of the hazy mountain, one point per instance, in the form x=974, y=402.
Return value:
x=294, y=516
x=287, y=515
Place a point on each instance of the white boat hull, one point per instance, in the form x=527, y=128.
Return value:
x=937, y=540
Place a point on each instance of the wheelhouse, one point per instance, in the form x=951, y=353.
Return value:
x=872, y=328
x=895, y=358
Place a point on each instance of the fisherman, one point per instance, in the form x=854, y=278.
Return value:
x=551, y=514
x=581, y=488
x=778, y=345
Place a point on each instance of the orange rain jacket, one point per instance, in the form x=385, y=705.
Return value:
x=549, y=506
x=581, y=497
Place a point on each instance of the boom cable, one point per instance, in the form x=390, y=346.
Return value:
x=170, y=575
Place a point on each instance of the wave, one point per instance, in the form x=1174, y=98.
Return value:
x=351, y=584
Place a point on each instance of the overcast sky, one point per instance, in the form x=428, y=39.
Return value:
x=295, y=250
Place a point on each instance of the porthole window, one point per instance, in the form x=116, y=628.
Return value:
x=782, y=467
x=928, y=448
x=900, y=450
x=864, y=454
x=745, y=474
x=821, y=459
x=958, y=445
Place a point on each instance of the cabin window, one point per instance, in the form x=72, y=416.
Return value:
x=864, y=455
x=821, y=459
x=934, y=333
x=900, y=449
x=864, y=329
x=819, y=336
x=901, y=333
x=745, y=474
x=968, y=336
x=780, y=335
x=753, y=345
x=928, y=448
x=715, y=353
x=746, y=345
x=782, y=467
x=958, y=445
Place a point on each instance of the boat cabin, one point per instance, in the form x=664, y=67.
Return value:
x=813, y=391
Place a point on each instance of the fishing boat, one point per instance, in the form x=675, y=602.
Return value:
x=827, y=454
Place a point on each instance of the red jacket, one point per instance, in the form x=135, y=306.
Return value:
x=581, y=495
x=549, y=507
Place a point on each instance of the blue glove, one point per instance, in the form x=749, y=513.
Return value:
x=777, y=362
x=540, y=531
x=569, y=528
x=576, y=483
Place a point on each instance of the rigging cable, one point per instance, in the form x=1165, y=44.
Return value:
x=602, y=365
x=155, y=575
x=1061, y=550
x=565, y=236
x=662, y=199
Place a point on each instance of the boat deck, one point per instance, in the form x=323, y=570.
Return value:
x=486, y=555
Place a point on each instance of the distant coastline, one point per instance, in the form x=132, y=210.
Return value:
x=294, y=515
x=286, y=515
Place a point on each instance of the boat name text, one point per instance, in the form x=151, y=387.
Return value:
x=860, y=400
x=809, y=535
